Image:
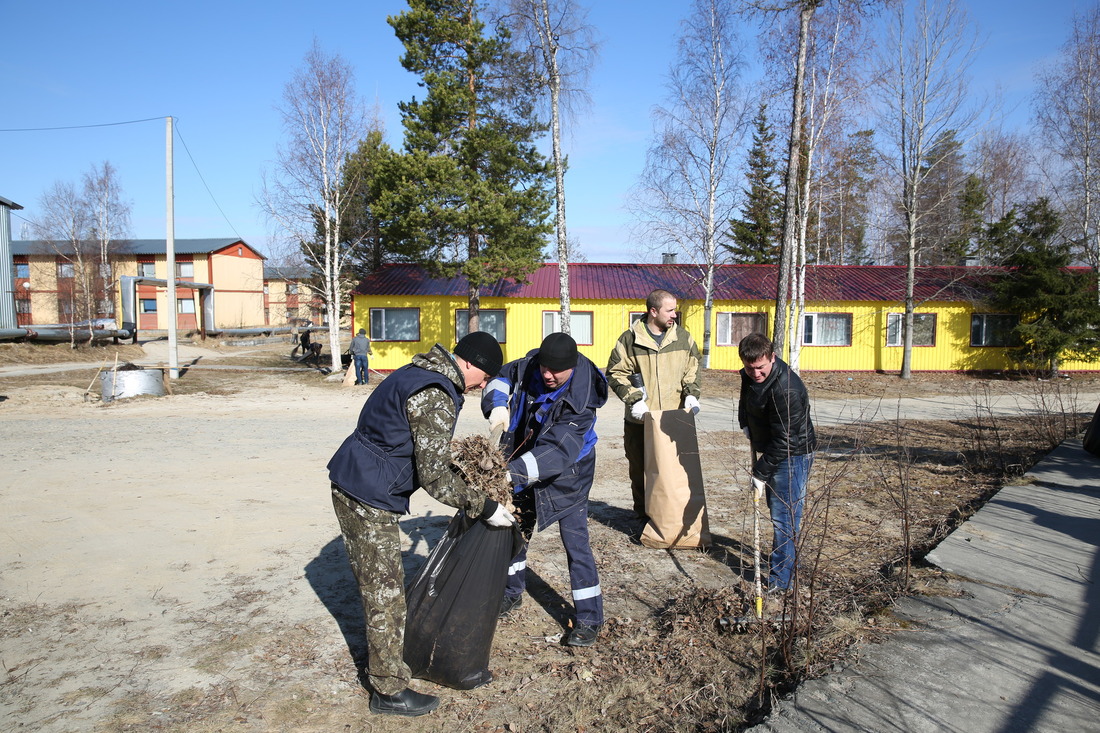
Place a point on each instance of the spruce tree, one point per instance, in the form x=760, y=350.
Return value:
x=756, y=235
x=1057, y=306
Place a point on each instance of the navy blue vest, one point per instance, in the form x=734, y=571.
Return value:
x=375, y=464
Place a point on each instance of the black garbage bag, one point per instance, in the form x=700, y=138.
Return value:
x=454, y=601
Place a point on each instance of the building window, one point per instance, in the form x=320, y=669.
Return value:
x=580, y=325
x=636, y=316
x=65, y=309
x=65, y=270
x=395, y=324
x=185, y=269
x=147, y=269
x=22, y=271
x=292, y=288
x=148, y=305
x=22, y=306
x=924, y=329
x=106, y=307
x=185, y=305
x=993, y=330
x=732, y=327
x=291, y=313
x=827, y=329
x=490, y=321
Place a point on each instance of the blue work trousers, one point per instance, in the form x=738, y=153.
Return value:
x=786, y=496
x=361, y=371
x=583, y=577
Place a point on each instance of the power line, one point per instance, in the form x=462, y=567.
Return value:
x=133, y=122
x=204, y=184
x=81, y=127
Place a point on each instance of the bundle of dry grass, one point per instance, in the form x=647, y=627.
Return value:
x=484, y=466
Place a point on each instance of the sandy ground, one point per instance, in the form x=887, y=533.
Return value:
x=155, y=549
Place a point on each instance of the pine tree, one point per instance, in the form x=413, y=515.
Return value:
x=756, y=236
x=845, y=212
x=474, y=196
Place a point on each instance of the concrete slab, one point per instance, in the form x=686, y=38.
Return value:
x=1020, y=651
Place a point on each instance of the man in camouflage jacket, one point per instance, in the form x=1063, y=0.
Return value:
x=402, y=442
x=667, y=360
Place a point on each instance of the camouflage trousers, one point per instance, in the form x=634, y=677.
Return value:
x=373, y=542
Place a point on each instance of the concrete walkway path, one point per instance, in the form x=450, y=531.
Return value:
x=1020, y=651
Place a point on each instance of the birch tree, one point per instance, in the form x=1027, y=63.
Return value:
x=687, y=194
x=323, y=120
x=924, y=93
x=85, y=228
x=1067, y=109
x=561, y=49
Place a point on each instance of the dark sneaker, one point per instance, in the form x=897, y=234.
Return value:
x=582, y=635
x=408, y=702
x=509, y=604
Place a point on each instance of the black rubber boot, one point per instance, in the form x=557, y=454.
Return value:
x=408, y=702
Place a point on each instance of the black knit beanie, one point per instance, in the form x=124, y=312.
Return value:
x=558, y=352
x=482, y=350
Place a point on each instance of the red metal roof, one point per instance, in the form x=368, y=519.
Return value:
x=596, y=281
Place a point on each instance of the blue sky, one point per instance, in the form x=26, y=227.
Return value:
x=219, y=70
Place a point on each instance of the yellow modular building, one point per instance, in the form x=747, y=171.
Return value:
x=852, y=319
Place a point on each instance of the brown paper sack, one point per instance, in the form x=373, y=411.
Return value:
x=349, y=375
x=674, y=497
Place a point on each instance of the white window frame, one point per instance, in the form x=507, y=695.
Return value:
x=185, y=269
x=144, y=305
x=378, y=329
x=723, y=329
x=497, y=323
x=185, y=306
x=22, y=267
x=810, y=328
x=65, y=271
x=551, y=323
x=1009, y=342
x=152, y=269
x=894, y=323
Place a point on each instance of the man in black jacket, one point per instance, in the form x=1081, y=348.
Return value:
x=774, y=413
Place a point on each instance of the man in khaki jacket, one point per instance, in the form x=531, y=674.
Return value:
x=666, y=361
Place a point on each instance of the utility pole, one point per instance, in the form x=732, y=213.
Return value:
x=170, y=241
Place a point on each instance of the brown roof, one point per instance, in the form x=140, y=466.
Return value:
x=595, y=281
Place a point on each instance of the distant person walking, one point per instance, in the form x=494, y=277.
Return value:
x=774, y=413
x=304, y=343
x=654, y=366
x=360, y=350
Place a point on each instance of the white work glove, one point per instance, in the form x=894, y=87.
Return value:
x=748, y=435
x=758, y=486
x=638, y=409
x=691, y=402
x=501, y=517
x=498, y=418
